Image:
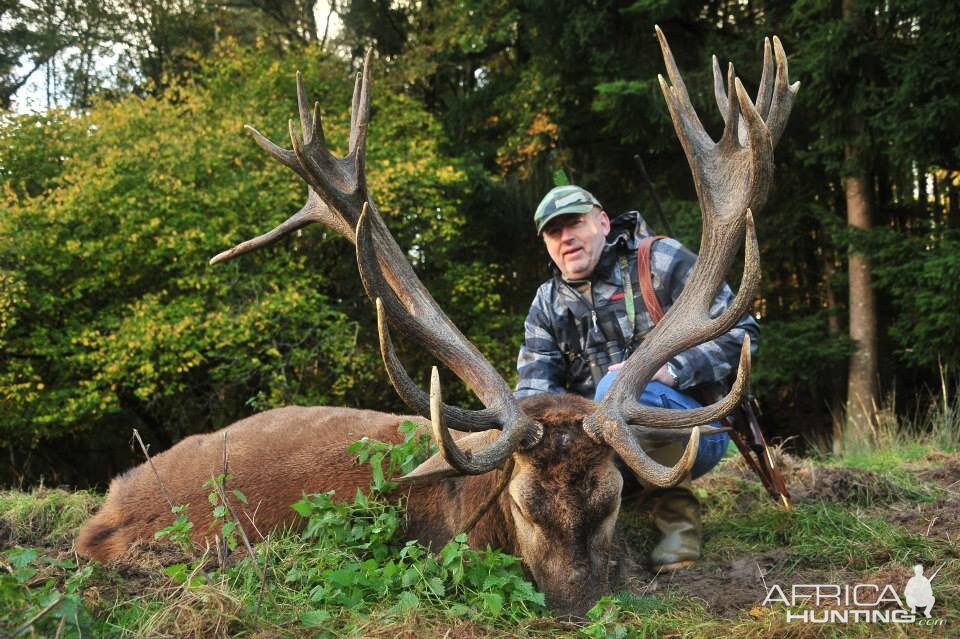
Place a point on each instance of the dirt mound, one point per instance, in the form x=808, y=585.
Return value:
x=936, y=520
x=947, y=475
x=847, y=486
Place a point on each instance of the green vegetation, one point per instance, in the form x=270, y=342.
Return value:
x=349, y=573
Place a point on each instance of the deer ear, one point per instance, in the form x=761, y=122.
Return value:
x=437, y=468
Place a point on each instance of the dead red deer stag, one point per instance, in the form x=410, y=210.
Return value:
x=558, y=510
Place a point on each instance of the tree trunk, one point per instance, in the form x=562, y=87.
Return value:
x=835, y=399
x=862, y=381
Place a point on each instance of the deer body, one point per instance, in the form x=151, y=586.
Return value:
x=278, y=455
x=275, y=457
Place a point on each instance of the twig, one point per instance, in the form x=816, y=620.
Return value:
x=224, y=458
x=221, y=553
x=60, y=626
x=937, y=571
x=263, y=582
x=224, y=550
x=50, y=606
x=650, y=583
x=482, y=510
x=762, y=577
x=163, y=488
x=243, y=534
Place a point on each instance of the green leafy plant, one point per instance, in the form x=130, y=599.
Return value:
x=42, y=594
x=221, y=512
x=356, y=558
x=179, y=531
x=389, y=460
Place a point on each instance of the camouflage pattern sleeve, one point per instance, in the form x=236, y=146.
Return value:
x=712, y=361
x=540, y=364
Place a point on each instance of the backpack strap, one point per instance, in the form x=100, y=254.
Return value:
x=646, y=277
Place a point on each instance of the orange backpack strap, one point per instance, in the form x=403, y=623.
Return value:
x=646, y=277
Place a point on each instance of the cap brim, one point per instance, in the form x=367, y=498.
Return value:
x=578, y=208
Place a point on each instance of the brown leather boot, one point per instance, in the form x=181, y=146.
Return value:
x=676, y=514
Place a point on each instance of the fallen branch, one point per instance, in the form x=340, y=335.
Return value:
x=37, y=617
x=163, y=488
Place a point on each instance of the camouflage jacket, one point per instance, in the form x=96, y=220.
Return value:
x=569, y=323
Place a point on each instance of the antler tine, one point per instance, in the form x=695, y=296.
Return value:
x=468, y=463
x=416, y=399
x=733, y=131
x=360, y=115
x=759, y=154
x=443, y=340
x=284, y=156
x=765, y=90
x=625, y=443
x=311, y=124
x=313, y=211
x=644, y=417
x=303, y=108
x=730, y=177
x=784, y=94
x=679, y=99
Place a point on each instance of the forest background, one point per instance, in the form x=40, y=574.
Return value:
x=136, y=172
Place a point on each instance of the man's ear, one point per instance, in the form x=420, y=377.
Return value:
x=604, y=221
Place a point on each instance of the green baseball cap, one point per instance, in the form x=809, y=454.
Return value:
x=563, y=200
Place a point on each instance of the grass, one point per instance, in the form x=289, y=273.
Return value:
x=348, y=575
x=45, y=515
x=818, y=534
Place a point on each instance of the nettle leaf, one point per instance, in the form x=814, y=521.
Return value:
x=492, y=602
x=315, y=618
x=20, y=557
x=408, y=601
x=410, y=577
x=436, y=586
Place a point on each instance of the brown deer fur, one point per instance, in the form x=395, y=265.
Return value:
x=277, y=456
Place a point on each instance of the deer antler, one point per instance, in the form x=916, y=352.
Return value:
x=338, y=198
x=732, y=177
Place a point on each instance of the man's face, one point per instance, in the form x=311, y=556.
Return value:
x=575, y=242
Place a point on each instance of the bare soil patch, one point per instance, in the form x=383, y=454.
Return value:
x=946, y=472
x=937, y=520
x=731, y=588
x=841, y=485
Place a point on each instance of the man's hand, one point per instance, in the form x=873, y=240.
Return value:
x=664, y=377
